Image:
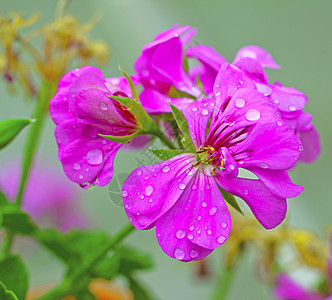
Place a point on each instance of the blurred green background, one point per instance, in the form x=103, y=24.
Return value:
x=298, y=35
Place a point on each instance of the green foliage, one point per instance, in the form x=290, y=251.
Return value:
x=231, y=200
x=165, y=154
x=139, y=291
x=9, y=129
x=14, y=277
x=14, y=219
x=6, y=294
x=131, y=84
x=183, y=125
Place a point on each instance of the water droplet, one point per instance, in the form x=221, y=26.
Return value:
x=213, y=210
x=205, y=112
x=76, y=166
x=142, y=197
x=192, y=227
x=208, y=186
x=80, y=176
x=231, y=167
x=150, y=200
x=199, y=218
x=241, y=162
x=204, y=204
x=217, y=85
x=209, y=232
x=194, y=187
x=194, y=108
x=252, y=114
x=218, y=94
x=124, y=193
x=264, y=165
x=126, y=206
x=301, y=148
x=149, y=190
x=87, y=169
x=198, y=231
x=139, y=173
x=291, y=108
x=103, y=106
x=276, y=101
x=190, y=236
x=279, y=123
x=180, y=233
x=223, y=225
x=193, y=253
x=137, y=213
x=166, y=169
x=94, y=157
x=246, y=192
x=182, y=186
x=179, y=253
x=239, y=102
x=221, y=239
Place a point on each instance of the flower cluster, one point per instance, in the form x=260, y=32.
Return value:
x=240, y=136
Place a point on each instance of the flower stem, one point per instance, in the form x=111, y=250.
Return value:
x=223, y=284
x=66, y=286
x=159, y=134
x=29, y=151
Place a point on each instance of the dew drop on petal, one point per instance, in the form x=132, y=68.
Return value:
x=182, y=186
x=279, y=123
x=239, y=102
x=291, y=108
x=192, y=227
x=179, y=253
x=103, y=106
x=87, y=169
x=124, y=193
x=142, y=197
x=76, y=166
x=94, y=157
x=190, y=236
x=252, y=114
x=264, y=165
x=276, y=101
x=166, y=169
x=208, y=186
x=231, y=167
x=301, y=148
x=180, y=234
x=221, y=239
x=223, y=225
x=194, y=108
x=204, y=204
x=218, y=94
x=150, y=200
x=213, y=210
x=149, y=190
x=199, y=218
x=205, y=112
x=246, y=192
x=194, y=187
x=193, y=253
x=139, y=173
x=241, y=162
x=209, y=232
x=80, y=176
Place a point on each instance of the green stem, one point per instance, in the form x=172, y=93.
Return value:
x=223, y=284
x=29, y=152
x=66, y=286
x=159, y=134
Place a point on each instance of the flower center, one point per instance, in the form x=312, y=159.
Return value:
x=207, y=155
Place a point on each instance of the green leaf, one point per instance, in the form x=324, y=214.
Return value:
x=132, y=260
x=6, y=294
x=183, y=125
x=165, y=154
x=139, y=291
x=14, y=276
x=131, y=84
x=185, y=63
x=175, y=93
x=122, y=139
x=231, y=200
x=12, y=218
x=108, y=267
x=9, y=129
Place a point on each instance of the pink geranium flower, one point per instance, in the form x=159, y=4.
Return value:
x=49, y=198
x=288, y=101
x=82, y=109
x=181, y=197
